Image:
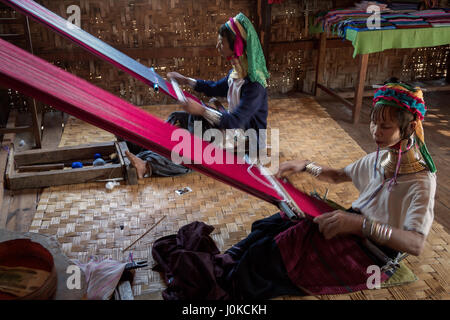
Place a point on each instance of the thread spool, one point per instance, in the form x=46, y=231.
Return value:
x=99, y=162
x=76, y=165
x=111, y=184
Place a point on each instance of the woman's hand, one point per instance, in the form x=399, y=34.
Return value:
x=291, y=167
x=339, y=222
x=194, y=107
x=178, y=77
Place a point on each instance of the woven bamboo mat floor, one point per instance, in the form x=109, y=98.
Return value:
x=86, y=218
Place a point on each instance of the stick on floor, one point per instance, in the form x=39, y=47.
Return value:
x=144, y=234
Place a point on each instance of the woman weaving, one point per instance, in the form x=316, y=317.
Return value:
x=245, y=89
x=331, y=253
x=396, y=185
x=394, y=210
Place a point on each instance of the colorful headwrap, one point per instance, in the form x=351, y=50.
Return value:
x=252, y=61
x=409, y=98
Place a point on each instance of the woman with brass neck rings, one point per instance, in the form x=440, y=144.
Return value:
x=397, y=185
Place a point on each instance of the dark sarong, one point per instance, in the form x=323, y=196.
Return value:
x=296, y=255
x=321, y=266
x=259, y=272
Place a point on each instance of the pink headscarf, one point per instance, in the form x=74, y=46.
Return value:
x=239, y=41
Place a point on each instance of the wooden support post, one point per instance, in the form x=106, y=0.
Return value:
x=306, y=14
x=33, y=108
x=6, y=147
x=264, y=10
x=332, y=93
x=130, y=171
x=36, y=124
x=26, y=28
x=359, y=89
x=320, y=61
x=447, y=78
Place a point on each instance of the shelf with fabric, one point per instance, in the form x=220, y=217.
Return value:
x=366, y=42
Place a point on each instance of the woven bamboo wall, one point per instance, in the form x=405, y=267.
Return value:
x=405, y=64
x=132, y=26
x=145, y=24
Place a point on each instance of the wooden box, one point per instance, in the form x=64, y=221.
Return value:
x=52, y=167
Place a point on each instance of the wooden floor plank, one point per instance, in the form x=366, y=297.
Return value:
x=22, y=209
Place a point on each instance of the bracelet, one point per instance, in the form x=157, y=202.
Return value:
x=379, y=232
x=191, y=82
x=212, y=116
x=366, y=227
x=313, y=169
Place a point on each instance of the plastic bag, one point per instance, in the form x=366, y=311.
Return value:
x=102, y=277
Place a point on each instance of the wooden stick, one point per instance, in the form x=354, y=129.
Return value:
x=41, y=167
x=144, y=234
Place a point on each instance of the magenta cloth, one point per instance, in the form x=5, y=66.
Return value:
x=33, y=76
x=239, y=41
x=321, y=266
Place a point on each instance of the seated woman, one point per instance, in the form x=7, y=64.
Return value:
x=245, y=89
x=330, y=254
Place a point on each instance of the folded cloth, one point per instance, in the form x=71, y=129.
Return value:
x=440, y=24
x=406, y=23
x=415, y=26
x=406, y=20
x=438, y=20
x=404, y=6
x=428, y=13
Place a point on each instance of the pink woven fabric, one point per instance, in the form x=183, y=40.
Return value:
x=44, y=81
x=89, y=103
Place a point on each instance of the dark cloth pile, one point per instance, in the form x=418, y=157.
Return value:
x=279, y=257
x=193, y=267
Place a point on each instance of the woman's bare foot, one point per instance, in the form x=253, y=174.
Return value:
x=142, y=167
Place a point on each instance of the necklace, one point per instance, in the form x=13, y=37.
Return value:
x=411, y=159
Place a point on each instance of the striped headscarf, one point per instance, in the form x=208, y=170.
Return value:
x=409, y=98
x=250, y=61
